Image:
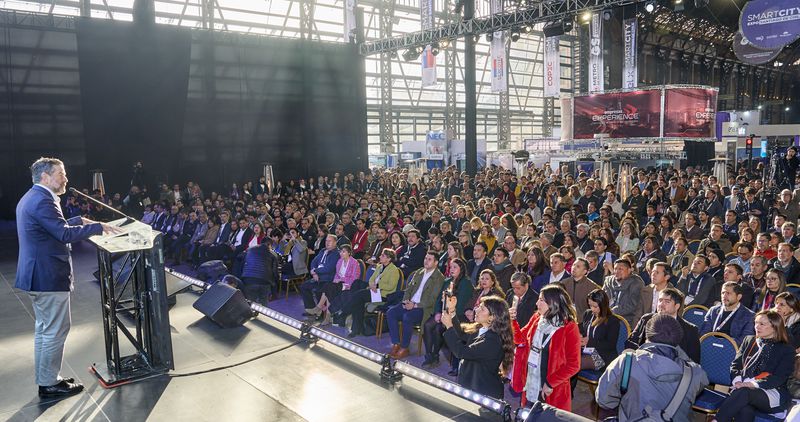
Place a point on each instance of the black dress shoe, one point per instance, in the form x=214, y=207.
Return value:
x=69, y=380
x=62, y=389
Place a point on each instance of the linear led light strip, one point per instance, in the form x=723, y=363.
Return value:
x=451, y=387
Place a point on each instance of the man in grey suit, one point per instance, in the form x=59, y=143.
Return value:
x=44, y=269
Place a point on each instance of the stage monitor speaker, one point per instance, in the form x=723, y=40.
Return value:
x=224, y=305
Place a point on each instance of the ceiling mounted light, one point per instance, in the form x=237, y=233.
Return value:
x=514, y=36
x=650, y=6
x=586, y=17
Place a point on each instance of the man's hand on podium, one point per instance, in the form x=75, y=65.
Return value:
x=109, y=229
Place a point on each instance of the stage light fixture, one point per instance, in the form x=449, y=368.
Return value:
x=412, y=54
x=435, y=49
x=606, y=15
x=490, y=403
x=759, y=107
x=489, y=37
x=787, y=108
x=444, y=43
x=346, y=345
x=393, y=54
x=650, y=6
x=677, y=5
x=586, y=17
x=525, y=29
x=558, y=28
x=514, y=36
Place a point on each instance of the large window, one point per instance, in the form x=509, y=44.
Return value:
x=415, y=110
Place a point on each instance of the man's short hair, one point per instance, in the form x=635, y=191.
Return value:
x=736, y=287
x=558, y=256
x=521, y=278
x=674, y=294
x=43, y=165
x=664, y=267
x=502, y=250
x=624, y=262
x=704, y=258
x=483, y=245
x=746, y=245
x=736, y=267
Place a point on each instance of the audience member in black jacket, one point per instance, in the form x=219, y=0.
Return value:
x=260, y=271
x=525, y=297
x=486, y=347
x=599, y=332
x=787, y=305
x=670, y=301
x=760, y=371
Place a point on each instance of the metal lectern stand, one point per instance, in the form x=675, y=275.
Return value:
x=141, y=316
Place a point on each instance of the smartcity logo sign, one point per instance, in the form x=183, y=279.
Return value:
x=770, y=24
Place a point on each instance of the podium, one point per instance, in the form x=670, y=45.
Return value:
x=133, y=293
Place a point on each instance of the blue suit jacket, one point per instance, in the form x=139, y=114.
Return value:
x=325, y=270
x=741, y=322
x=45, y=264
x=544, y=279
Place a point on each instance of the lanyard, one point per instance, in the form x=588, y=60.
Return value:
x=750, y=360
x=699, y=282
x=717, y=325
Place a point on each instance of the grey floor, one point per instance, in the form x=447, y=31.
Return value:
x=297, y=384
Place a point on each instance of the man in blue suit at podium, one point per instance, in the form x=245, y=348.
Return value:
x=44, y=269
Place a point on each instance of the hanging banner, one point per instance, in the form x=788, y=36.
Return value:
x=770, y=24
x=690, y=113
x=596, y=53
x=350, y=21
x=749, y=54
x=630, y=69
x=498, y=53
x=499, y=70
x=552, y=67
x=428, y=59
x=634, y=114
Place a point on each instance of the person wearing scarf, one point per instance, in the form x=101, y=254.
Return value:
x=501, y=265
x=765, y=297
x=548, y=350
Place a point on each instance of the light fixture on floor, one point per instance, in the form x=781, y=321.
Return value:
x=489, y=403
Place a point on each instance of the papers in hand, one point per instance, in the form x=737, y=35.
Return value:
x=375, y=296
x=134, y=236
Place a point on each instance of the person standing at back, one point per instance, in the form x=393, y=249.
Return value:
x=44, y=269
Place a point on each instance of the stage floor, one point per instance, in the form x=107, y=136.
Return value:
x=297, y=384
x=301, y=383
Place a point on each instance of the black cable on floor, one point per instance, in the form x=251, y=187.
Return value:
x=206, y=371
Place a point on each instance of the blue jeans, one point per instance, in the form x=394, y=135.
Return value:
x=397, y=314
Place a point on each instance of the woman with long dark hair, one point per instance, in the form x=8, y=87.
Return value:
x=761, y=370
x=548, y=350
x=787, y=305
x=599, y=332
x=537, y=265
x=486, y=348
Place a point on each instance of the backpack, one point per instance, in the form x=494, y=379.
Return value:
x=651, y=415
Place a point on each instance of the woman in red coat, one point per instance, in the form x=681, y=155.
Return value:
x=548, y=350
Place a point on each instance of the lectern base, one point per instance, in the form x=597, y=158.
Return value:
x=134, y=369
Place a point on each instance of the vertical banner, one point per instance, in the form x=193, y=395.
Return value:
x=499, y=65
x=428, y=59
x=349, y=21
x=498, y=52
x=596, y=53
x=552, y=67
x=630, y=69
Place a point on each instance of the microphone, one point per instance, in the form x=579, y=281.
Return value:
x=128, y=218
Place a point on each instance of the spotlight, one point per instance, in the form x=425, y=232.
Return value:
x=677, y=5
x=514, y=36
x=787, y=108
x=586, y=17
x=489, y=37
x=759, y=107
x=411, y=54
x=606, y=15
x=393, y=54
x=557, y=28
x=435, y=49
x=476, y=38
x=444, y=43
x=650, y=6
x=525, y=29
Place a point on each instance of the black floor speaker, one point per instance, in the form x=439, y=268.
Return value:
x=224, y=305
